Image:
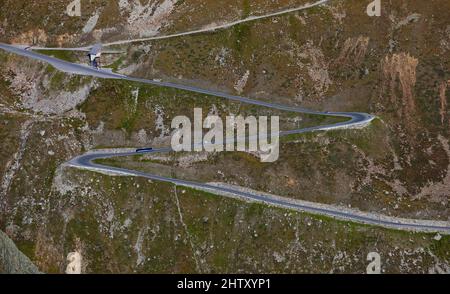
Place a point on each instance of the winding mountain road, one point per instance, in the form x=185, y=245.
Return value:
x=86, y=161
x=355, y=120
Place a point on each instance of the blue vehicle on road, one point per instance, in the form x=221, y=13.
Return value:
x=143, y=150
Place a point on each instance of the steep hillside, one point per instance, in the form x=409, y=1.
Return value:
x=332, y=57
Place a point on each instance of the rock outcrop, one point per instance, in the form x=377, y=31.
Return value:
x=12, y=261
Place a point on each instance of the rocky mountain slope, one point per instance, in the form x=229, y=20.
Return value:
x=333, y=57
